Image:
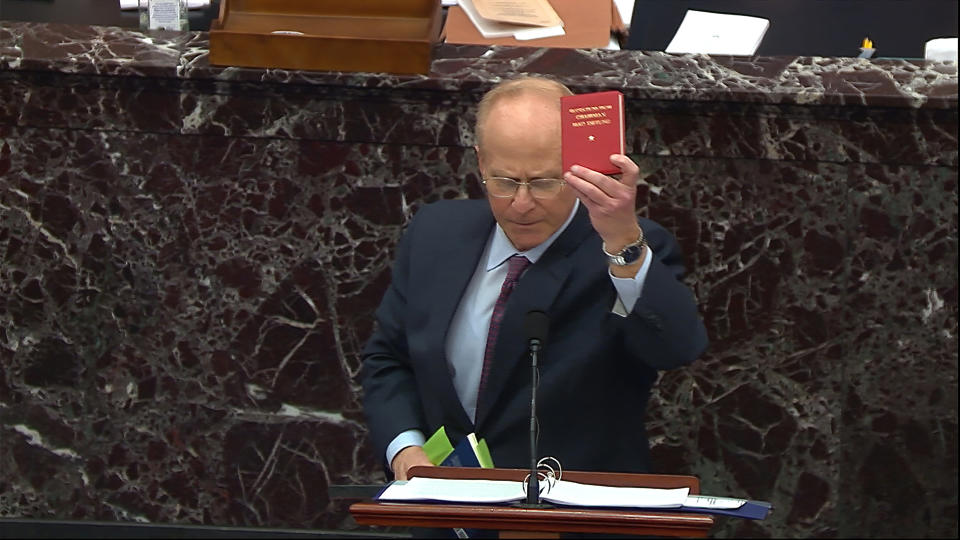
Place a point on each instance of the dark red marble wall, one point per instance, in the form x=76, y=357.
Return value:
x=191, y=257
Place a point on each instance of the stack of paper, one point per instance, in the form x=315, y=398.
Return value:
x=941, y=50
x=565, y=493
x=191, y=4
x=503, y=491
x=519, y=19
x=702, y=32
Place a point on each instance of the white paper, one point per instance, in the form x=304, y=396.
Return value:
x=539, y=33
x=703, y=32
x=576, y=494
x=562, y=492
x=941, y=50
x=718, y=503
x=488, y=28
x=164, y=14
x=625, y=7
x=191, y=4
x=496, y=29
x=449, y=490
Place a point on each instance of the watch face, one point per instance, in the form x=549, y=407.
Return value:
x=631, y=254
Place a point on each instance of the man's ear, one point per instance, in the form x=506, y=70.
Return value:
x=479, y=159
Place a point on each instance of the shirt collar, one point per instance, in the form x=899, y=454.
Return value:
x=502, y=249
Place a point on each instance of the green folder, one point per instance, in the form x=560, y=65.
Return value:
x=471, y=452
x=483, y=454
x=438, y=446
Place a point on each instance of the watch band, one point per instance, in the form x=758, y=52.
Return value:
x=629, y=254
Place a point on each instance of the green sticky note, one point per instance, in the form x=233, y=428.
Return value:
x=438, y=446
x=483, y=454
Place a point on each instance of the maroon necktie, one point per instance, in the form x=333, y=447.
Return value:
x=517, y=264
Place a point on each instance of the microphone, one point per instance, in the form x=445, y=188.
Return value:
x=535, y=326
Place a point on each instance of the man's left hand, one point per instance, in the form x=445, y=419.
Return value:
x=611, y=202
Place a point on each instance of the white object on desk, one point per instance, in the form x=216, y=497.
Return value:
x=560, y=492
x=941, y=50
x=538, y=33
x=703, y=32
x=495, y=29
x=625, y=7
x=191, y=4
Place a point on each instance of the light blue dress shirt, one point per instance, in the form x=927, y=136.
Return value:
x=467, y=337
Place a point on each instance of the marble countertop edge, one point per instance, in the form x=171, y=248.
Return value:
x=808, y=81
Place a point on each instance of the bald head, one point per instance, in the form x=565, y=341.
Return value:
x=518, y=138
x=530, y=89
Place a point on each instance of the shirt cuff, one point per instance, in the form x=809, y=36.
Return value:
x=410, y=437
x=629, y=289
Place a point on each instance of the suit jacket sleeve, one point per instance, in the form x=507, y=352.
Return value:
x=390, y=397
x=665, y=318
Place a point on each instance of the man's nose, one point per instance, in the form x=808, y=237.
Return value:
x=522, y=199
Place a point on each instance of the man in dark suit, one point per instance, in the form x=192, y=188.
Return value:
x=449, y=349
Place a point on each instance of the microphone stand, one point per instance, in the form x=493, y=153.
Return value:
x=533, y=482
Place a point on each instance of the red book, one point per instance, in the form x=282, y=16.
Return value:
x=591, y=130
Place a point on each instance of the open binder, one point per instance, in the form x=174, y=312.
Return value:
x=561, y=492
x=513, y=520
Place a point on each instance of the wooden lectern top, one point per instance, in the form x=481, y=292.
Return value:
x=515, y=522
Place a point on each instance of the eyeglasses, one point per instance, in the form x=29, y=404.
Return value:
x=540, y=188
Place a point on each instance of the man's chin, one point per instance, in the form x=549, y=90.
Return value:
x=526, y=237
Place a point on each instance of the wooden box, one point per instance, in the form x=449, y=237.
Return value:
x=391, y=36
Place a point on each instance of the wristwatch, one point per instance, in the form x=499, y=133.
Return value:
x=629, y=254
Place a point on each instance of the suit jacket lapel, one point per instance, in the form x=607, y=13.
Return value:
x=459, y=261
x=537, y=289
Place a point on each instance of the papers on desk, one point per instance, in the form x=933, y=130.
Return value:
x=504, y=491
x=625, y=8
x=519, y=19
x=702, y=32
x=726, y=506
x=941, y=50
x=455, y=491
x=564, y=493
x=574, y=494
x=191, y=4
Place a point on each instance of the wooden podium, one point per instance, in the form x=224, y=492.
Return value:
x=515, y=522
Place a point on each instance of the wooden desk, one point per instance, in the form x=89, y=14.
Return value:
x=515, y=522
